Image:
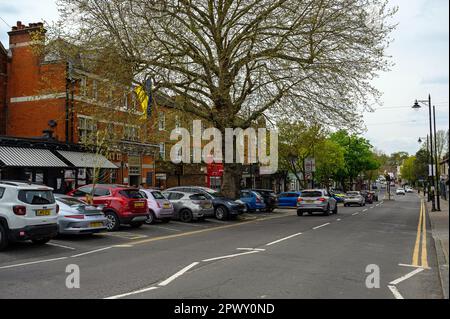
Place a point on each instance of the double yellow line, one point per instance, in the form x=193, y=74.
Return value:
x=421, y=240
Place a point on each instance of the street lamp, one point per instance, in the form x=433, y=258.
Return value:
x=417, y=106
x=428, y=155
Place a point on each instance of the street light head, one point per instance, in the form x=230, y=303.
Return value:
x=420, y=140
x=416, y=105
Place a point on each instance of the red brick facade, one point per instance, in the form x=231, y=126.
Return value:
x=3, y=88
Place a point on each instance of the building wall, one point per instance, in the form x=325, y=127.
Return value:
x=3, y=88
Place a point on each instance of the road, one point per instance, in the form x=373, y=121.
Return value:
x=262, y=256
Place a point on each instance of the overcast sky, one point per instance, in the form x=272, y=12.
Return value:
x=420, y=52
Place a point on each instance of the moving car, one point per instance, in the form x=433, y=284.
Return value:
x=270, y=198
x=338, y=196
x=159, y=207
x=409, y=189
x=354, y=198
x=253, y=200
x=224, y=207
x=288, y=199
x=27, y=212
x=400, y=191
x=122, y=204
x=77, y=217
x=316, y=200
x=368, y=197
x=189, y=206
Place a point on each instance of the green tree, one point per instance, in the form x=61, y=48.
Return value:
x=409, y=170
x=329, y=161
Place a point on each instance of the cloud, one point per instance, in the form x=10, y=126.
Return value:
x=436, y=80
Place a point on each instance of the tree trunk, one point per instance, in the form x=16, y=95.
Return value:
x=231, y=181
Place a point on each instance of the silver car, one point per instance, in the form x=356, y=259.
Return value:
x=354, y=198
x=77, y=217
x=189, y=206
x=316, y=200
x=159, y=207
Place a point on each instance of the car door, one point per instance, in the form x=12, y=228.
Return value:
x=331, y=200
x=283, y=199
x=175, y=199
x=246, y=197
x=293, y=199
x=101, y=196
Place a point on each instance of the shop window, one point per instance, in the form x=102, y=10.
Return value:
x=161, y=121
x=162, y=151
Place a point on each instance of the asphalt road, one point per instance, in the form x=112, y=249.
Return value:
x=278, y=255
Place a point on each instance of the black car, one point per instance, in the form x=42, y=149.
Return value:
x=224, y=207
x=368, y=196
x=270, y=198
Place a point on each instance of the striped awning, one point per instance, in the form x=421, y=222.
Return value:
x=28, y=157
x=87, y=160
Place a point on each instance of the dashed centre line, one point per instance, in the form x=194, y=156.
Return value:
x=283, y=239
x=317, y=227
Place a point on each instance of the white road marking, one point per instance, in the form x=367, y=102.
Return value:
x=283, y=239
x=230, y=256
x=123, y=246
x=377, y=205
x=255, y=249
x=395, y=292
x=338, y=219
x=216, y=221
x=91, y=252
x=166, y=228
x=413, y=266
x=33, y=262
x=407, y=276
x=365, y=210
x=321, y=226
x=354, y=214
x=371, y=207
x=133, y=293
x=60, y=246
x=187, y=224
x=178, y=274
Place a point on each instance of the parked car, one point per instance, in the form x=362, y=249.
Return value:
x=338, y=196
x=224, y=207
x=78, y=217
x=159, y=207
x=270, y=198
x=400, y=191
x=189, y=206
x=368, y=197
x=27, y=212
x=316, y=200
x=122, y=204
x=409, y=189
x=288, y=199
x=253, y=200
x=354, y=198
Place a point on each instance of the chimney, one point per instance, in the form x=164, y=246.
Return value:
x=20, y=34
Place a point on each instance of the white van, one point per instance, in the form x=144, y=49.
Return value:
x=27, y=212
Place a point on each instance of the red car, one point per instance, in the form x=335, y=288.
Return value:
x=122, y=204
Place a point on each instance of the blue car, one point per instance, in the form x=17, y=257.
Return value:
x=288, y=199
x=253, y=200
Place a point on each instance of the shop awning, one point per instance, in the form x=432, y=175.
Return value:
x=28, y=157
x=87, y=160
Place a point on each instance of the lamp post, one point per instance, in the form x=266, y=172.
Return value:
x=428, y=155
x=417, y=106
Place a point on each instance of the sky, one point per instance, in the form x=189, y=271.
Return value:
x=420, y=52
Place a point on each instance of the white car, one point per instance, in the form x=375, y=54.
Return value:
x=27, y=212
x=354, y=198
x=409, y=190
x=400, y=191
x=159, y=207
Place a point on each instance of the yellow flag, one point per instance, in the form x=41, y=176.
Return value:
x=142, y=98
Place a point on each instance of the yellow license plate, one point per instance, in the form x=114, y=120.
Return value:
x=138, y=204
x=43, y=212
x=166, y=205
x=95, y=225
x=309, y=201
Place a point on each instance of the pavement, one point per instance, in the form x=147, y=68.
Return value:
x=439, y=221
x=366, y=252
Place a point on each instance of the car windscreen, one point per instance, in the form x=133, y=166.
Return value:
x=158, y=195
x=70, y=201
x=198, y=197
x=131, y=193
x=36, y=197
x=312, y=194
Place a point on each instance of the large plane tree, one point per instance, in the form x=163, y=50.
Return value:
x=235, y=61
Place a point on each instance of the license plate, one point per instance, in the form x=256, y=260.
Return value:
x=309, y=201
x=95, y=225
x=43, y=212
x=166, y=205
x=140, y=205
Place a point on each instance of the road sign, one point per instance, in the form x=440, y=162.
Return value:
x=310, y=165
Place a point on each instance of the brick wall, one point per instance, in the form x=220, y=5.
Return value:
x=3, y=82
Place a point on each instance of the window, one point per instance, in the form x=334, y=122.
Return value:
x=94, y=90
x=86, y=128
x=82, y=191
x=131, y=133
x=158, y=195
x=2, y=191
x=162, y=151
x=83, y=86
x=36, y=197
x=177, y=123
x=125, y=101
x=101, y=192
x=161, y=121
x=131, y=193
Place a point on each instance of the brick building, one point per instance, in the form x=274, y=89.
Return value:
x=3, y=82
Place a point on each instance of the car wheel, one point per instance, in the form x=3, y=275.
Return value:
x=3, y=238
x=327, y=212
x=136, y=224
x=186, y=216
x=41, y=241
x=151, y=218
x=113, y=223
x=299, y=213
x=221, y=213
